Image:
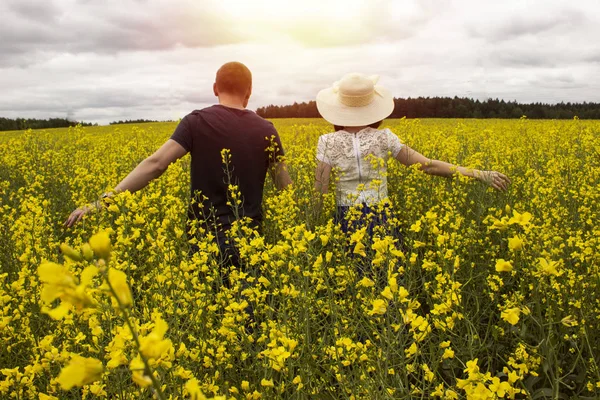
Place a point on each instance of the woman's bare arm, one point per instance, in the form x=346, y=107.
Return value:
x=408, y=157
x=322, y=177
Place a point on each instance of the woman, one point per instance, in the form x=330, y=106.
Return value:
x=356, y=106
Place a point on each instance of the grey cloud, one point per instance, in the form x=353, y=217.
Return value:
x=515, y=24
x=561, y=80
x=594, y=58
x=74, y=99
x=566, y=19
x=37, y=11
x=197, y=97
x=286, y=90
x=527, y=53
x=524, y=59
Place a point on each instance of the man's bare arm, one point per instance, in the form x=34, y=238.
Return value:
x=279, y=174
x=146, y=171
x=152, y=167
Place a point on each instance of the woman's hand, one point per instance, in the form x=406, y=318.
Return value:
x=78, y=214
x=495, y=179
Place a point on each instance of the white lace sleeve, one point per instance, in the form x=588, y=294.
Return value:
x=322, y=151
x=394, y=143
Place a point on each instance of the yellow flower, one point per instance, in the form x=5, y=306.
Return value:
x=360, y=249
x=266, y=382
x=515, y=243
x=448, y=353
x=100, y=244
x=80, y=371
x=548, y=268
x=137, y=368
x=366, y=282
x=472, y=367
x=193, y=389
x=47, y=397
x=481, y=392
x=393, y=284
x=503, y=266
x=153, y=345
x=569, y=321
x=56, y=278
x=264, y=281
x=118, y=281
x=59, y=283
x=402, y=293
x=500, y=225
x=439, y=391
x=521, y=219
x=387, y=293
x=245, y=386
x=59, y=312
x=298, y=381
x=88, y=274
x=511, y=315
x=427, y=373
x=411, y=351
x=379, y=307
x=499, y=388
x=416, y=227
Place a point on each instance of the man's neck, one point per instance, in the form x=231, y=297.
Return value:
x=231, y=102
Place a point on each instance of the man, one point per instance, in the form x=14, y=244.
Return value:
x=253, y=147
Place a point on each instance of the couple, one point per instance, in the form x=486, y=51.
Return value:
x=355, y=105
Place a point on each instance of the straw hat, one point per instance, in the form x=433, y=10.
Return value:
x=355, y=100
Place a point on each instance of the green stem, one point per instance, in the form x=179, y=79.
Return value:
x=587, y=342
x=147, y=370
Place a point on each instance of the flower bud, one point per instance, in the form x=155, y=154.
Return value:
x=87, y=252
x=70, y=252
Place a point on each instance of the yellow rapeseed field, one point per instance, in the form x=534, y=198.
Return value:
x=465, y=293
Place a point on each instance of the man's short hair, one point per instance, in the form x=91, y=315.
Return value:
x=234, y=78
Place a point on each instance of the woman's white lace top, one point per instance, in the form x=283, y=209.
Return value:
x=361, y=161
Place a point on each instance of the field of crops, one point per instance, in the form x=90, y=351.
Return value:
x=488, y=294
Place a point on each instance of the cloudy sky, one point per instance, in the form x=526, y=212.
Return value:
x=105, y=60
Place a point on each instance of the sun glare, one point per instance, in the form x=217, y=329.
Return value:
x=292, y=11
x=309, y=22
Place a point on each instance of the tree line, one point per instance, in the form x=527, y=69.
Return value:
x=135, y=121
x=457, y=107
x=420, y=107
x=20, y=124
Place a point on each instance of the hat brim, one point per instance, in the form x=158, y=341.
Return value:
x=332, y=110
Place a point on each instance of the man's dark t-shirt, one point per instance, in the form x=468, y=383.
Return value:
x=253, y=144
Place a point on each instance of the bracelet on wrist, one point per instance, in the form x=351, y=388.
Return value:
x=105, y=199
